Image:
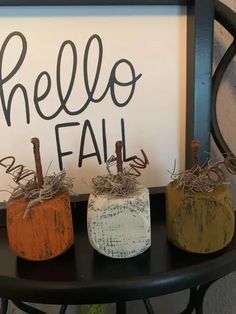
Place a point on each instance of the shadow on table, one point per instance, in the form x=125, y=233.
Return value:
x=61, y=268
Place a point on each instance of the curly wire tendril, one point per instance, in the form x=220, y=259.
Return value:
x=123, y=183
x=19, y=172
x=30, y=190
x=204, y=179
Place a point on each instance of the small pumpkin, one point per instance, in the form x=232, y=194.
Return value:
x=200, y=222
x=118, y=216
x=199, y=207
x=39, y=218
x=45, y=232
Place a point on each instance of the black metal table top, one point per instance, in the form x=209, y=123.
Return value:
x=84, y=276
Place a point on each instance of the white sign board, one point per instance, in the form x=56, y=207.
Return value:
x=80, y=78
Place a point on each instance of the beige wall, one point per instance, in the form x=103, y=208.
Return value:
x=226, y=101
x=221, y=297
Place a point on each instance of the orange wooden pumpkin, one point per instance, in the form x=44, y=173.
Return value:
x=45, y=232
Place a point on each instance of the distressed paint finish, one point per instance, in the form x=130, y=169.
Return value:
x=200, y=222
x=46, y=232
x=120, y=227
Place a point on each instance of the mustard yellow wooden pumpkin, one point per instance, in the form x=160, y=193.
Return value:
x=199, y=214
x=200, y=222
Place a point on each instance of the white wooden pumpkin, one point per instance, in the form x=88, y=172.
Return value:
x=119, y=227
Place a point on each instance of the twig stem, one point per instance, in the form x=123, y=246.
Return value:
x=195, y=149
x=119, y=162
x=37, y=158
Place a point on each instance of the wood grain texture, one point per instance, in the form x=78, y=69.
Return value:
x=200, y=222
x=120, y=227
x=46, y=232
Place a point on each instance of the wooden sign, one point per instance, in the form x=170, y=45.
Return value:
x=80, y=78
